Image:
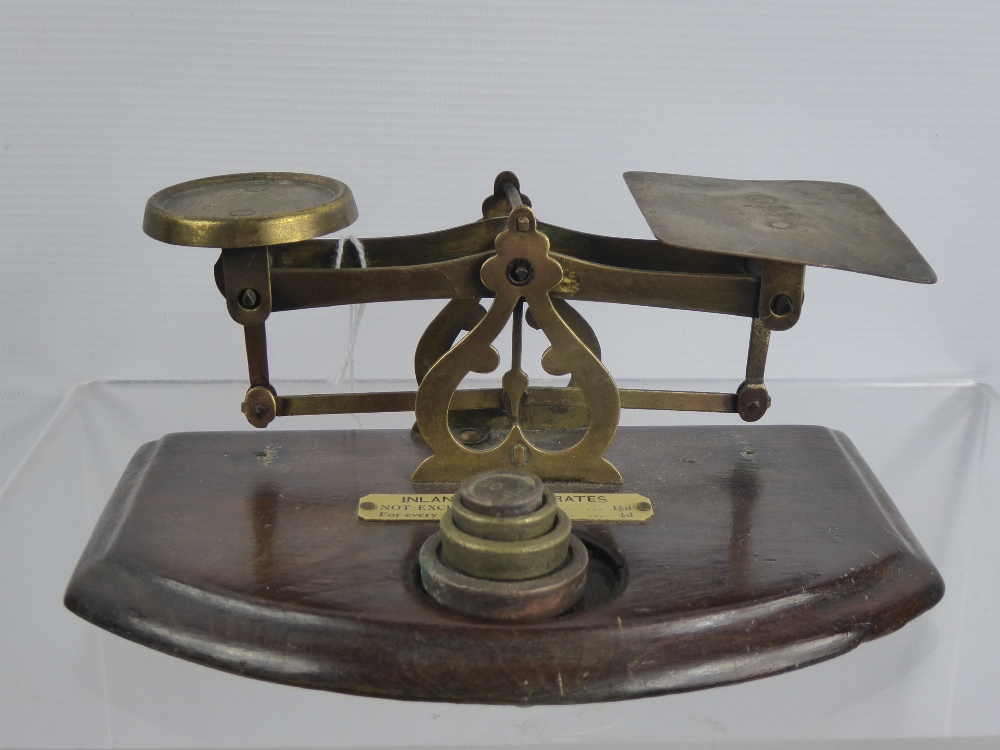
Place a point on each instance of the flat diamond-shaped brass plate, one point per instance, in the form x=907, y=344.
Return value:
x=826, y=224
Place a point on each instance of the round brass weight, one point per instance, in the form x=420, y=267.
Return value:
x=515, y=560
x=504, y=551
x=502, y=493
x=506, y=528
x=249, y=210
x=511, y=601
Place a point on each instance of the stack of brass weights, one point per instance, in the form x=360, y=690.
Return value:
x=504, y=551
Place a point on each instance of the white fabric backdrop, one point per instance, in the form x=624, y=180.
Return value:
x=418, y=105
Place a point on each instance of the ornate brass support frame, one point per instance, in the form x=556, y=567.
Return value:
x=521, y=270
x=724, y=246
x=592, y=400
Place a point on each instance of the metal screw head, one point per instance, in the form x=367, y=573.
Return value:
x=260, y=406
x=752, y=401
x=507, y=492
x=249, y=299
x=523, y=223
x=781, y=305
x=520, y=272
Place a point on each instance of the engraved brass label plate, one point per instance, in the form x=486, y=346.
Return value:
x=624, y=507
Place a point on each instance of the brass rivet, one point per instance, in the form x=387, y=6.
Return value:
x=259, y=406
x=523, y=223
x=519, y=454
x=471, y=435
x=643, y=506
x=367, y=505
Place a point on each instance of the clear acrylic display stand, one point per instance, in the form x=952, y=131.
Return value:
x=935, y=447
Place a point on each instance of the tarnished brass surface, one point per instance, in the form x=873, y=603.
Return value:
x=521, y=269
x=478, y=237
x=260, y=406
x=716, y=293
x=462, y=314
x=585, y=507
x=249, y=210
x=507, y=195
x=679, y=401
x=492, y=398
x=515, y=528
x=496, y=560
x=781, y=294
x=501, y=494
x=510, y=601
x=760, y=339
x=504, y=526
x=255, y=338
x=827, y=224
x=752, y=398
x=348, y=403
x=457, y=316
x=302, y=288
x=577, y=323
x=247, y=285
x=724, y=246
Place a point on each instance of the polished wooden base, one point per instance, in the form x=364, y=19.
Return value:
x=771, y=548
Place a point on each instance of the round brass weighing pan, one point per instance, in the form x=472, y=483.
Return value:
x=249, y=210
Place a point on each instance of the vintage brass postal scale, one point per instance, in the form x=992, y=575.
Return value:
x=516, y=546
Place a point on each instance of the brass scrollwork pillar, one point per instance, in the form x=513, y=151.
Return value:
x=520, y=270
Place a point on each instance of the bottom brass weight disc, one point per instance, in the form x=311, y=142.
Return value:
x=532, y=599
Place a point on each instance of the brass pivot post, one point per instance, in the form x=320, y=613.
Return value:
x=504, y=551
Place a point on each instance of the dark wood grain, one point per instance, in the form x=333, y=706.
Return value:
x=770, y=548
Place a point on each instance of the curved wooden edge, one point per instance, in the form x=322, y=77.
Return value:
x=577, y=658
x=652, y=657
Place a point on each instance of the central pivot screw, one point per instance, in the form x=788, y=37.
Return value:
x=523, y=224
x=520, y=272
